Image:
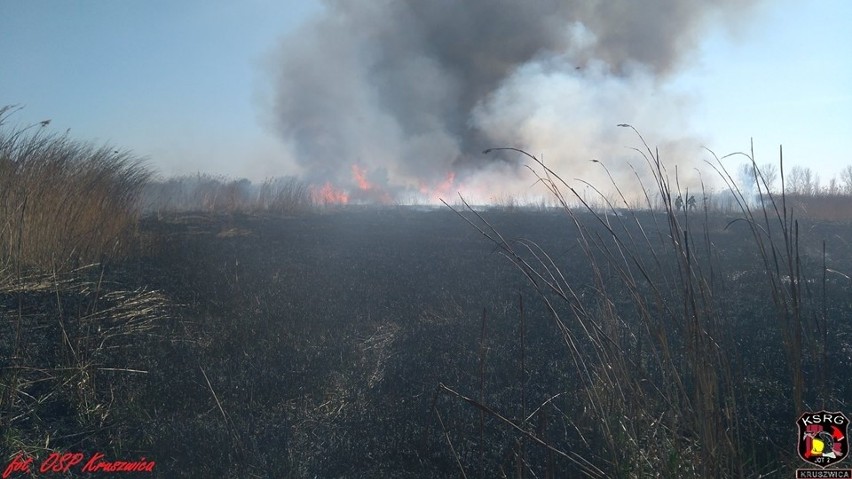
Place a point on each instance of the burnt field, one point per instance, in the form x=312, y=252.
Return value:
x=315, y=346
x=402, y=342
x=326, y=336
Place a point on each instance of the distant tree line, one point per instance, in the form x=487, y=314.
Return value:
x=208, y=193
x=799, y=180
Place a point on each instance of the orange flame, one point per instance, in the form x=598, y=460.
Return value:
x=368, y=192
x=445, y=187
x=360, y=175
x=440, y=190
x=376, y=193
x=327, y=194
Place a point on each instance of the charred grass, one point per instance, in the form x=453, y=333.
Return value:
x=389, y=342
x=311, y=338
x=323, y=336
x=697, y=341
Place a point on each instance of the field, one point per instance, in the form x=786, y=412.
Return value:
x=410, y=341
x=326, y=336
x=314, y=346
x=325, y=339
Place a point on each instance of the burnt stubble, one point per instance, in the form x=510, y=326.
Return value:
x=315, y=345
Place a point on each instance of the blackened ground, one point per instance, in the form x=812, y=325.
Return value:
x=324, y=337
x=313, y=346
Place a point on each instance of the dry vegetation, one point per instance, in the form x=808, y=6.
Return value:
x=674, y=379
x=209, y=194
x=64, y=203
x=822, y=207
x=73, y=340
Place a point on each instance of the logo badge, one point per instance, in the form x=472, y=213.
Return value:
x=823, y=437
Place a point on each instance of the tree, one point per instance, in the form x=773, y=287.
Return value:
x=770, y=175
x=846, y=179
x=811, y=186
x=802, y=181
x=795, y=183
x=833, y=188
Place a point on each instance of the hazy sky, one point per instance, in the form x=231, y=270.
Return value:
x=189, y=84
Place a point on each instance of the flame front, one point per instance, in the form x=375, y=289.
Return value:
x=360, y=175
x=441, y=190
x=369, y=191
x=363, y=190
x=327, y=194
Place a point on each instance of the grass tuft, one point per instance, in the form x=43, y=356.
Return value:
x=64, y=203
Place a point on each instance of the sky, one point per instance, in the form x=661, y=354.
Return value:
x=192, y=85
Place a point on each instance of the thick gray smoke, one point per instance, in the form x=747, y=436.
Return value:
x=411, y=92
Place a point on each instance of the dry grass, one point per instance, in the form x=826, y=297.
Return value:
x=76, y=353
x=821, y=207
x=64, y=203
x=210, y=194
x=662, y=378
x=73, y=343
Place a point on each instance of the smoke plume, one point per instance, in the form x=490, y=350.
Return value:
x=408, y=93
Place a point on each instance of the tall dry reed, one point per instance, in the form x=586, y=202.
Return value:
x=64, y=203
x=672, y=377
